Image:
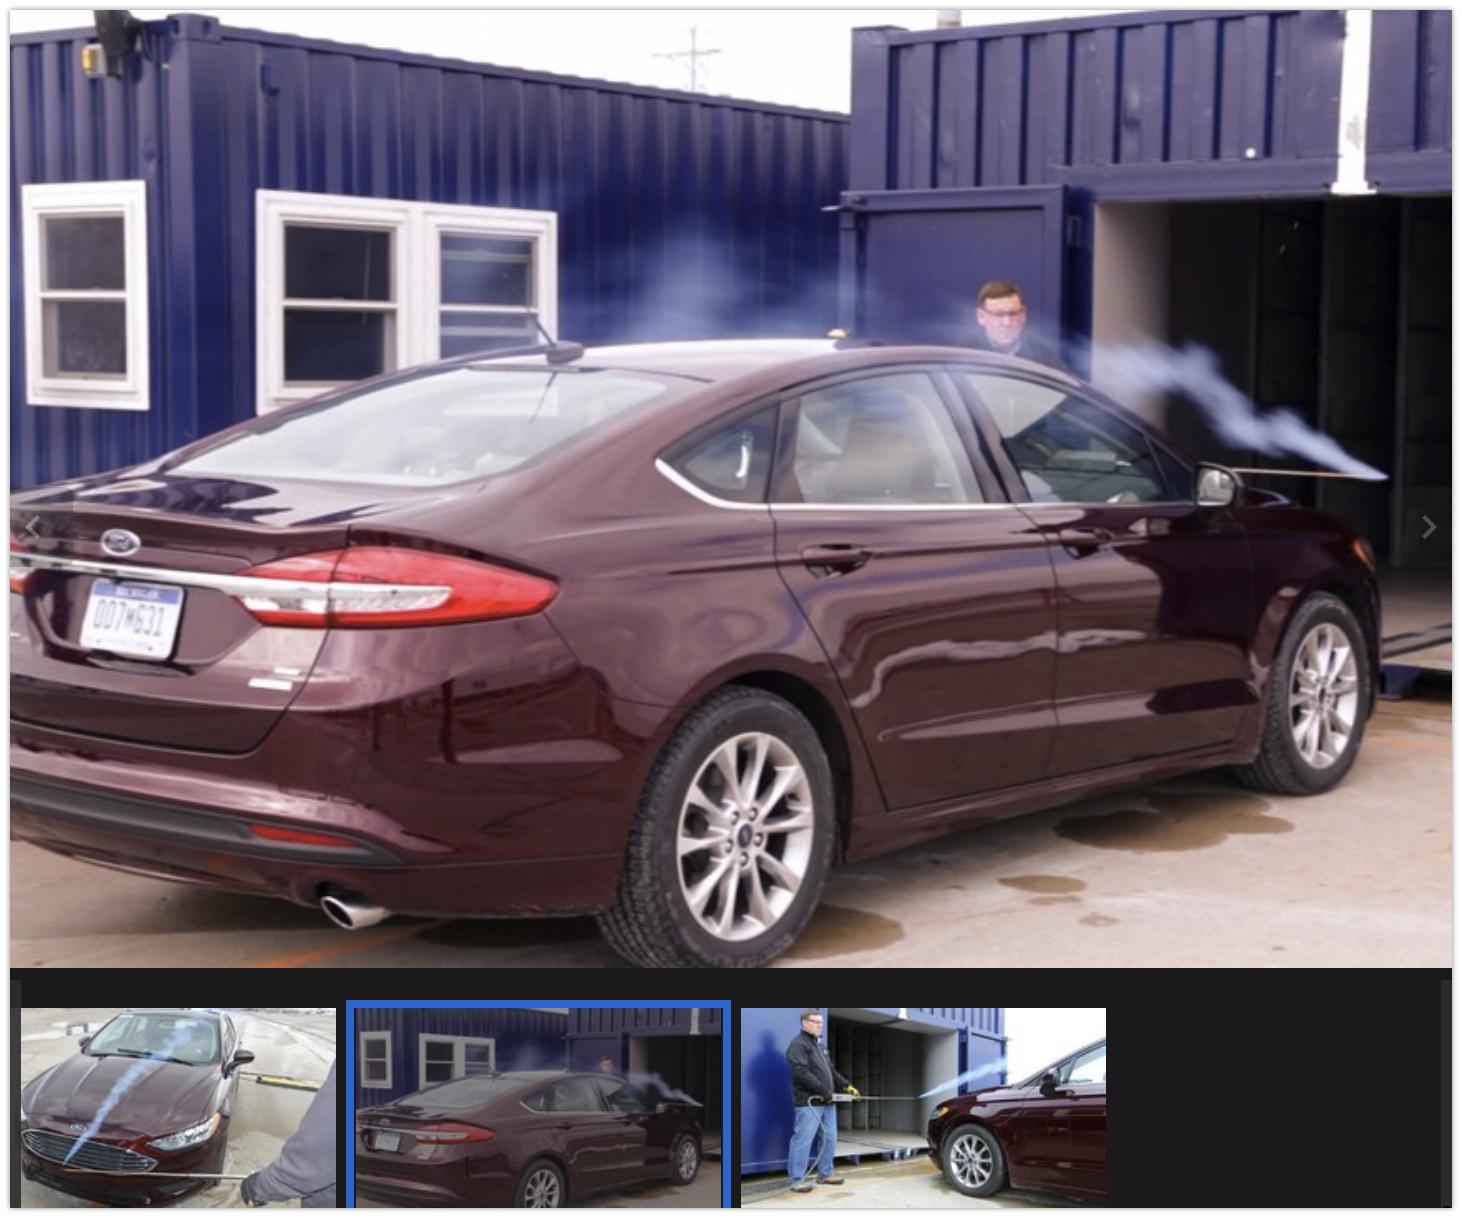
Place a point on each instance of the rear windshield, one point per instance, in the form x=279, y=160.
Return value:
x=163, y=1037
x=465, y=1092
x=450, y=426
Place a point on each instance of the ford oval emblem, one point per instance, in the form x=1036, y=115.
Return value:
x=78, y=1129
x=120, y=543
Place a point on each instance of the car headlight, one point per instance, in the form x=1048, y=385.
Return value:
x=24, y=1115
x=187, y=1137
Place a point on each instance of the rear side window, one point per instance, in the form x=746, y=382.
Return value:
x=1066, y=448
x=879, y=440
x=537, y=1102
x=575, y=1095
x=445, y=426
x=733, y=462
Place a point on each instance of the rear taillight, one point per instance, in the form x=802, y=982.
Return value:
x=388, y=586
x=18, y=575
x=451, y=1131
x=300, y=837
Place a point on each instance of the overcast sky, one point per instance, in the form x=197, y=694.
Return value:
x=798, y=57
x=1040, y=1036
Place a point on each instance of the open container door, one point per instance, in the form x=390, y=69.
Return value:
x=913, y=261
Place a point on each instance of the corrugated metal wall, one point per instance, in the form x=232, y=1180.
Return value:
x=1199, y=103
x=526, y=1040
x=640, y=1021
x=680, y=215
x=1409, y=121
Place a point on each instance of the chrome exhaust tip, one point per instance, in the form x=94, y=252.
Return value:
x=352, y=912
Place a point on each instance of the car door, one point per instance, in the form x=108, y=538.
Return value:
x=933, y=599
x=1154, y=591
x=1084, y=1163
x=643, y=1147
x=589, y=1135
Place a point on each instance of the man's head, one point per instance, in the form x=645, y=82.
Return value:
x=1000, y=311
x=606, y=1064
x=812, y=1020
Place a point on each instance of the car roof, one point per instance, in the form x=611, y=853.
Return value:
x=715, y=360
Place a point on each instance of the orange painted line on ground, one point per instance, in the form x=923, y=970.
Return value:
x=348, y=945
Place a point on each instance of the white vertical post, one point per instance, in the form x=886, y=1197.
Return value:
x=1355, y=89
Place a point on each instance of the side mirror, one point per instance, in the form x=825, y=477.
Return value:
x=1050, y=1084
x=1217, y=487
x=659, y=1108
x=82, y=1043
x=241, y=1057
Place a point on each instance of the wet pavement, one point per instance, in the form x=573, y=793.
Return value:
x=294, y=1045
x=1195, y=872
x=914, y=1184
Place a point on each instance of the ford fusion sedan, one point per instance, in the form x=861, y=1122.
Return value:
x=658, y=634
x=151, y=1091
x=539, y=1140
x=1046, y=1134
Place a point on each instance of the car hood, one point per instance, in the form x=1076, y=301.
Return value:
x=152, y=1098
x=987, y=1095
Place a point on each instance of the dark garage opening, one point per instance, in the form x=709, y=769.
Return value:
x=691, y=1064
x=889, y=1058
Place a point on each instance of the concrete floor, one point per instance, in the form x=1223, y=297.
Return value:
x=1197, y=872
x=912, y=1184
x=294, y=1045
x=1415, y=600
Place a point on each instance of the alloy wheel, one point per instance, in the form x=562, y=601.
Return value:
x=1324, y=695
x=543, y=1191
x=685, y=1160
x=745, y=835
x=970, y=1160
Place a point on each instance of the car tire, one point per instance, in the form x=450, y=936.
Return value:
x=1282, y=766
x=653, y=921
x=973, y=1161
x=541, y=1186
x=685, y=1160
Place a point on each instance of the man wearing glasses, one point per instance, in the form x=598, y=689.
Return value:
x=814, y=1078
x=1001, y=313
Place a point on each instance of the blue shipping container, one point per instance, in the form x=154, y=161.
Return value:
x=926, y=1053
x=662, y=201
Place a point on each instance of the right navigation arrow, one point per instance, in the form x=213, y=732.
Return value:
x=1431, y=527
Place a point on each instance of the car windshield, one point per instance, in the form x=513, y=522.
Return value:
x=180, y=1038
x=464, y=1093
x=448, y=426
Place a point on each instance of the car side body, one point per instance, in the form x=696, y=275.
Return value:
x=971, y=665
x=1052, y=1133
x=476, y=1141
x=152, y=1100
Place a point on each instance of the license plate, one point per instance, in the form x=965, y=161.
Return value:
x=387, y=1140
x=132, y=619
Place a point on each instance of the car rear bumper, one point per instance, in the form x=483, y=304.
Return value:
x=213, y=846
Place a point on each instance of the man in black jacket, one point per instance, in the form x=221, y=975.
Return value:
x=814, y=1077
x=1001, y=312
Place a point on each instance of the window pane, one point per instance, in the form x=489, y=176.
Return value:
x=576, y=1095
x=86, y=338
x=882, y=440
x=486, y=270
x=624, y=1098
x=464, y=333
x=1090, y=1068
x=334, y=345
x=1068, y=449
x=1179, y=476
x=84, y=253
x=336, y=263
x=375, y=1050
x=473, y=1092
x=438, y=1051
x=437, y=1072
x=733, y=463
x=434, y=427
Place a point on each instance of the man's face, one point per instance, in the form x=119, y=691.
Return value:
x=1003, y=318
x=813, y=1024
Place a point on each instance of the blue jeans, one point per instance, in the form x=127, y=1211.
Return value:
x=807, y=1121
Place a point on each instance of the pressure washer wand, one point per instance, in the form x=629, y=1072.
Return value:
x=859, y=1099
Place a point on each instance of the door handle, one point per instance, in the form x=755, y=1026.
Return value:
x=1080, y=541
x=834, y=558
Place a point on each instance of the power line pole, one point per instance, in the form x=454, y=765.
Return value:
x=692, y=56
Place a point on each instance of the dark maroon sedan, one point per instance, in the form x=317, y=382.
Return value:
x=657, y=633
x=1048, y=1133
x=152, y=1091
x=541, y=1140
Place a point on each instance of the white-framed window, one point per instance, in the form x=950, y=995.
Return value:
x=84, y=250
x=350, y=287
x=444, y=1058
x=375, y=1060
